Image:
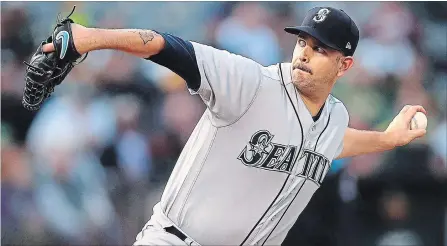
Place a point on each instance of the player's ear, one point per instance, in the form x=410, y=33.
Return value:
x=346, y=62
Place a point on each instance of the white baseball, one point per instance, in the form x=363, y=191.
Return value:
x=419, y=121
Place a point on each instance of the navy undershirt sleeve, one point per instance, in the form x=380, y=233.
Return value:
x=178, y=55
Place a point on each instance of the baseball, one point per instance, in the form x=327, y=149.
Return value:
x=419, y=121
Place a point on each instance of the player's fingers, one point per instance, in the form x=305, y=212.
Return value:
x=404, y=109
x=418, y=133
x=48, y=48
x=409, y=114
x=421, y=109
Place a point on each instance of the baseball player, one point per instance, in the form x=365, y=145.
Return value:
x=267, y=138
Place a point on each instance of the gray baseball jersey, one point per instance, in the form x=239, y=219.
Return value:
x=255, y=158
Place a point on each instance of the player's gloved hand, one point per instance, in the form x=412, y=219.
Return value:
x=76, y=33
x=399, y=132
x=63, y=41
x=48, y=69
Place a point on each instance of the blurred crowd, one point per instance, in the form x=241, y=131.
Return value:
x=90, y=164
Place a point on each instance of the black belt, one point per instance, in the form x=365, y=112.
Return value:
x=176, y=232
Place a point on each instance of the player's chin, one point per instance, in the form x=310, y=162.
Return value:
x=300, y=77
x=300, y=82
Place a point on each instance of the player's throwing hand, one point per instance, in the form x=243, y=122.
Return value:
x=399, y=130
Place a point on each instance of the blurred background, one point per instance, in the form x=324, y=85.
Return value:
x=88, y=167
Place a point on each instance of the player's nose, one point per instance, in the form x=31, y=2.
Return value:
x=303, y=56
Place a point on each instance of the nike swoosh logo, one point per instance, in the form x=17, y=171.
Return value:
x=65, y=38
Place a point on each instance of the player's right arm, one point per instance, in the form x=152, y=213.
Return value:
x=227, y=83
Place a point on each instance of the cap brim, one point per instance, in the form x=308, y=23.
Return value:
x=312, y=32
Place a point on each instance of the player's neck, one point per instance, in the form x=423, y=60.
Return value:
x=313, y=102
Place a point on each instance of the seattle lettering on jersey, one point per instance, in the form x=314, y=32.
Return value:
x=262, y=153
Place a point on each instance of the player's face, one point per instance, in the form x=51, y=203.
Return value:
x=316, y=67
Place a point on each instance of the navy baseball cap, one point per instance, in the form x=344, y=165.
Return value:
x=332, y=27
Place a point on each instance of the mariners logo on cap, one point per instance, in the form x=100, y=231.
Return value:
x=348, y=46
x=321, y=15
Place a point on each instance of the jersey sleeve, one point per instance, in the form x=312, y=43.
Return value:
x=339, y=150
x=228, y=82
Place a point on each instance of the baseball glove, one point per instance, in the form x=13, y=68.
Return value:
x=47, y=70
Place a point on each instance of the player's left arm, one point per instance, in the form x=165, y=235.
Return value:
x=360, y=142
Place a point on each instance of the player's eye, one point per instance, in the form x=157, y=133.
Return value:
x=319, y=50
x=301, y=42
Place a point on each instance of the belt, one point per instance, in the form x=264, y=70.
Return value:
x=176, y=232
